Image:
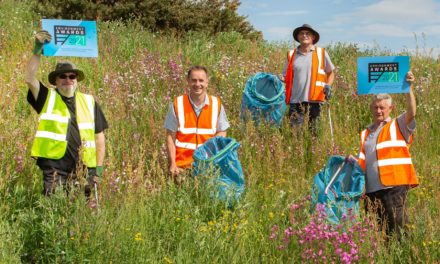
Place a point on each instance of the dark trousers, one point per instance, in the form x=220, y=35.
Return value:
x=52, y=178
x=297, y=111
x=390, y=207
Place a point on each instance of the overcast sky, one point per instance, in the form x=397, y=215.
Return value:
x=389, y=24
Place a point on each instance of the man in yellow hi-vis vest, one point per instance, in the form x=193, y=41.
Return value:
x=71, y=124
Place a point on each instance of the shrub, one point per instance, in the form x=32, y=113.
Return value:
x=175, y=17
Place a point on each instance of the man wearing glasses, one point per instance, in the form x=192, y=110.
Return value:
x=308, y=74
x=70, y=135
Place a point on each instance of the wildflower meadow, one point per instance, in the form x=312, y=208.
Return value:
x=143, y=216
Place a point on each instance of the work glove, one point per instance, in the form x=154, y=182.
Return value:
x=327, y=91
x=41, y=38
x=95, y=175
x=99, y=171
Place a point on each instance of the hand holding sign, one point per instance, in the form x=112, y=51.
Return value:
x=41, y=38
x=410, y=77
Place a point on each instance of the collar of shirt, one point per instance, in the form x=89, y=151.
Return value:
x=371, y=126
x=66, y=99
x=311, y=50
x=203, y=105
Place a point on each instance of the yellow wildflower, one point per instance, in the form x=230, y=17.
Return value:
x=138, y=236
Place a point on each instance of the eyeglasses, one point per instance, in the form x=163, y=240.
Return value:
x=70, y=76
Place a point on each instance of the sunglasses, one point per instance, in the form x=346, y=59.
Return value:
x=70, y=76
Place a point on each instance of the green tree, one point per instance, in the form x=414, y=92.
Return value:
x=176, y=17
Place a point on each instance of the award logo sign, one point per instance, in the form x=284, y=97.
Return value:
x=383, y=74
x=74, y=38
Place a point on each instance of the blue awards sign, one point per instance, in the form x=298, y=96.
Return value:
x=383, y=74
x=74, y=38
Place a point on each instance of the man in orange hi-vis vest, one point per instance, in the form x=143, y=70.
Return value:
x=384, y=156
x=308, y=75
x=192, y=119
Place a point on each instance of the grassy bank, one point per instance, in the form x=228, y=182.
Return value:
x=143, y=216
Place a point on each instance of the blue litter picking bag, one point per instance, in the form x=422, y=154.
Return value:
x=263, y=98
x=339, y=186
x=219, y=155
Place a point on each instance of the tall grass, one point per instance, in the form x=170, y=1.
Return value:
x=143, y=217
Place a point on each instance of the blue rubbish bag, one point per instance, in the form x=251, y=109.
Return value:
x=263, y=98
x=219, y=155
x=339, y=186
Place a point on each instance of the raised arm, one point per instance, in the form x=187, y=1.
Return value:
x=31, y=75
x=41, y=38
x=410, y=99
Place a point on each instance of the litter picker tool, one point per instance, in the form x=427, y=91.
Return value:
x=330, y=122
x=96, y=195
x=335, y=175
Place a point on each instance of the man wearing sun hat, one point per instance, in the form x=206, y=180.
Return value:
x=70, y=134
x=308, y=75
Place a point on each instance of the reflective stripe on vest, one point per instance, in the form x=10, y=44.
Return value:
x=51, y=136
x=361, y=156
x=193, y=131
x=393, y=157
x=318, y=77
x=86, y=125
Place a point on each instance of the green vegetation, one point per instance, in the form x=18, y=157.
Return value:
x=173, y=17
x=143, y=217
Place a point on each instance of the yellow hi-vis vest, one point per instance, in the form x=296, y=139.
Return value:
x=51, y=138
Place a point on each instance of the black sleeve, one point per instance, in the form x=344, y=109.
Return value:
x=41, y=98
x=100, y=121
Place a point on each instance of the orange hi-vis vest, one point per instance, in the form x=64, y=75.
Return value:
x=318, y=76
x=393, y=157
x=193, y=131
